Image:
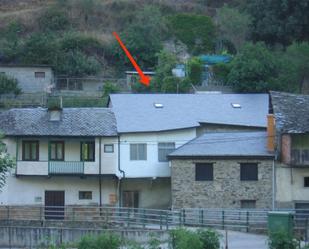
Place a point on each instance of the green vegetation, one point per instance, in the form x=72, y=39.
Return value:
x=195, y=69
x=104, y=241
x=8, y=85
x=6, y=163
x=282, y=240
x=196, y=31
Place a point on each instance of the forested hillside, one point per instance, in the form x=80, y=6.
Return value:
x=268, y=40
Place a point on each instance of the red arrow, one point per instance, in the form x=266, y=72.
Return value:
x=144, y=79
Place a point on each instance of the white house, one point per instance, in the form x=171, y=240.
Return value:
x=63, y=157
x=151, y=126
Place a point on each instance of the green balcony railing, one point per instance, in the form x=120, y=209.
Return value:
x=56, y=167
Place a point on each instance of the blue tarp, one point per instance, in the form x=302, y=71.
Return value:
x=215, y=59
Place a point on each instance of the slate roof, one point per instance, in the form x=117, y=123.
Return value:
x=231, y=144
x=136, y=112
x=291, y=112
x=74, y=122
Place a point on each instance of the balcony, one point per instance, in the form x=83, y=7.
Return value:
x=300, y=157
x=65, y=168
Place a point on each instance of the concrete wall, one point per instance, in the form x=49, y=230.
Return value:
x=27, y=80
x=290, y=185
x=152, y=193
x=31, y=190
x=225, y=191
x=150, y=167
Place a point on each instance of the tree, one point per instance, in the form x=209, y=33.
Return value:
x=143, y=37
x=233, y=25
x=53, y=19
x=6, y=163
x=196, y=31
x=195, y=70
x=8, y=85
x=279, y=21
x=253, y=69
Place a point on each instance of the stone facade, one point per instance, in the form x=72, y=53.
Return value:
x=226, y=190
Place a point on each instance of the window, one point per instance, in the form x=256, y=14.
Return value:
x=164, y=149
x=138, y=151
x=39, y=74
x=108, y=148
x=248, y=204
x=30, y=150
x=248, y=172
x=85, y=195
x=306, y=181
x=204, y=172
x=56, y=151
x=87, y=151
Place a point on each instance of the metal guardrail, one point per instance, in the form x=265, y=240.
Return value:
x=233, y=219
x=60, y=167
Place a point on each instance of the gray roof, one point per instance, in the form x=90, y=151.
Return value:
x=136, y=112
x=232, y=144
x=74, y=122
x=291, y=112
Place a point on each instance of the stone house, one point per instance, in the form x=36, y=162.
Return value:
x=223, y=170
x=291, y=113
x=31, y=78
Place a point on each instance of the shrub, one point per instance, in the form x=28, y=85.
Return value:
x=109, y=88
x=9, y=85
x=210, y=238
x=195, y=70
x=183, y=239
x=221, y=72
x=103, y=241
x=53, y=19
x=282, y=240
x=196, y=31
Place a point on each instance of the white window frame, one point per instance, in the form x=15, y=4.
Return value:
x=138, y=156
x=165, y=146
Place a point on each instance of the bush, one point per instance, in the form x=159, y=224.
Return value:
x=109, y=88
x=104, y=241
x=183, y=239
x=53, y=19
x=195, y=70
x=221, y=72
x=210, y=238
x=282, y=240
x=9, y=85
x=196, y=31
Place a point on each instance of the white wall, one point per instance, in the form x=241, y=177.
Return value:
x=26, y=78
x=290, y=185
x=150, y=167
x=109, y=161
x=26, y=190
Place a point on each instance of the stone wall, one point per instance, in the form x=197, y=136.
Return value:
x=225, y=191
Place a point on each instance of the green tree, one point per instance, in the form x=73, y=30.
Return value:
x=196, y=31
x=279, y=21
x=109, y=88
x=233, y=25
x=6, y=163
x=143, y=37
x=53, y=19
x=8, y=85
x=195, y=70
x=253, y=69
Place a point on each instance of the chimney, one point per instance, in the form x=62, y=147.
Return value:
x=271, y=132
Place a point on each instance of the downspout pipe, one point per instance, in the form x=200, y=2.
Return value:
x=100, y=172
x=122, y=172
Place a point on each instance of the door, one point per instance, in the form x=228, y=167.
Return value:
x=130, y=199
x=54, y=205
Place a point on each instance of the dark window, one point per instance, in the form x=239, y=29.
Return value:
x=108, y=148
x=39, y=74
x=87, y=151
x=204, y=172
x=30, y=150
x=85, y=195
x=248, y=204
x=138, y=151
x=248, y=172
x=306, y=181
x=56, y=151
x=164, y=149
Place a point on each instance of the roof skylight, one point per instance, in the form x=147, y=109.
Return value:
x=158, y=105
x=236, y=105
